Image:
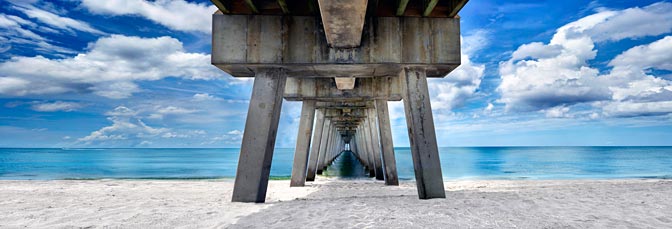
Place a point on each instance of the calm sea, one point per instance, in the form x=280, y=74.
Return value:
x=457, y=163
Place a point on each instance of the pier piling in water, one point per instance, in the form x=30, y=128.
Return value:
x=344, y=65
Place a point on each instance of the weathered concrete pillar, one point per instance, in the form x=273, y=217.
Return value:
x=324, y=146
x=355, y=149
x=334, y=147
x=261, y=126
x=421, y=134
x=360, y=149
x=330, y=152
x=385, y=131
x=320, y=124
x=303, y=144
x=369, y=148
x=375, y=143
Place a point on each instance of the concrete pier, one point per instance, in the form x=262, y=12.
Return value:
x=344, y=60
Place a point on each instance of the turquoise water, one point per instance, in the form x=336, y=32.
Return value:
x=457, y=163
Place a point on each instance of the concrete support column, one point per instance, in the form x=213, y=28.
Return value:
x=369, y=148
x=261, y=126
x=303, y=144
x=355, y=149
x=364, y=149
x=421, y=134
x=315, y=147
x=385, y=131
x=324, y=146
x=375, y=143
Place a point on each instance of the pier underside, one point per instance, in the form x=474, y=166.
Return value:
x=344, y=60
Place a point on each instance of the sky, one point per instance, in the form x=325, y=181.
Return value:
x=136, y=73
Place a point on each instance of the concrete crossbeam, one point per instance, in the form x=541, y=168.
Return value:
x=242, y=44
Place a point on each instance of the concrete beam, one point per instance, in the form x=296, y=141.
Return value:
x=303, y=144
x=343, y=21
x=345, y=83
x=244, y=43
x=261, y=126
x=456, y=7
x=221, y=6
x=422, y=136
x=324, y=90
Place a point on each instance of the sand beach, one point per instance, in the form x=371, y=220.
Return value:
x=335, y=203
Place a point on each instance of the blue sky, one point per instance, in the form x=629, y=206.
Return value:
x=132, y=73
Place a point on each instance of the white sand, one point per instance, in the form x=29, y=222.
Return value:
x=337, y=204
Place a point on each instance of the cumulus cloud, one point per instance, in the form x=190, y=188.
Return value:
x=56, y=106
x=128, y=129
x=557, y=112
x=109, y=69
x=636, y=92
x=191, y=16
x=636, y=22
x=125, y=126
x=555, y=76
x=463, y=82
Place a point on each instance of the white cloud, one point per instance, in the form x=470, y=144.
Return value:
x=174, y=14
x=109, y=68
x=128, y=129
x=124, y=126
x=655, y=55
x=557, y=112
x=655, y=19
x=463, y=82
x=160, y=112
x=536, y=50
x=635, y=92
x=552, y=77
x=205, y=97
x=56, y=106
x=56, y=21
x=234, y=137
x=17, y=31
x=488, y=109
x=235, y=132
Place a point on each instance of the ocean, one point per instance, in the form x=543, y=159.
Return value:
x=457, y=163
